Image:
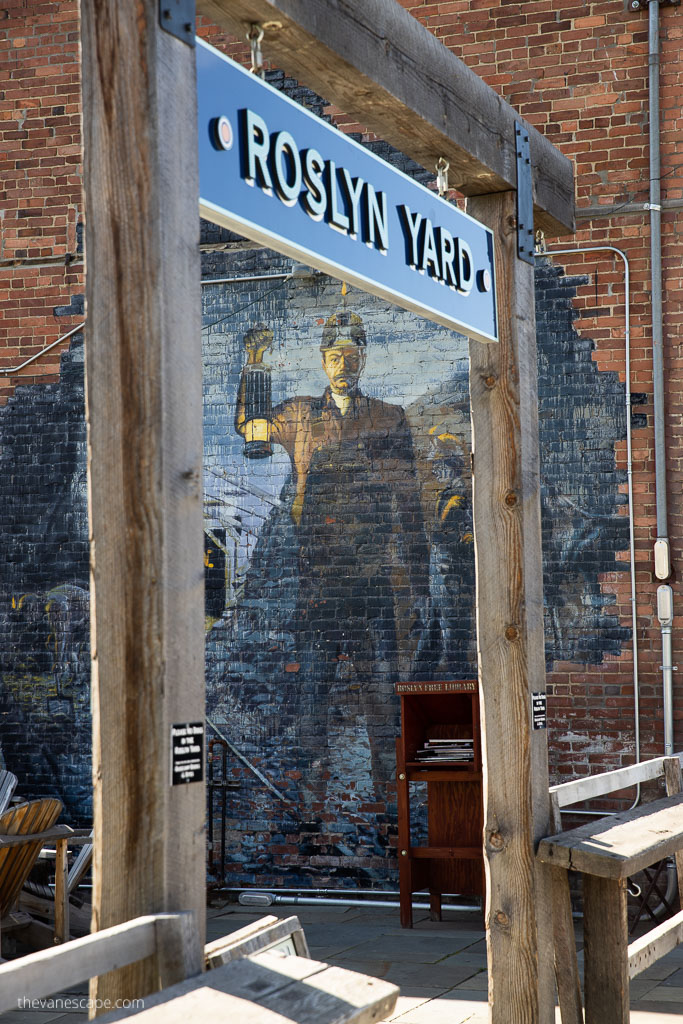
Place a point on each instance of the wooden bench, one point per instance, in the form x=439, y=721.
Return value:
x=267, y=987
x=607, y=852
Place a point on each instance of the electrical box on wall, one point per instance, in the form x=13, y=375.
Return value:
x=662, y=561
x=665, y=605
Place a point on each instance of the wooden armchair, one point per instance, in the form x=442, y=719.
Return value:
x=23, y=830
x=60, y=907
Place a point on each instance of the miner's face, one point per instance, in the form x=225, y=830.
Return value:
x=344, y=366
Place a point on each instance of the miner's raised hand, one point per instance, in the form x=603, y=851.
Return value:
x=257, y=341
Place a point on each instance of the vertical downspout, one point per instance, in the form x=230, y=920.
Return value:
x=629, y=477
x=661, y=552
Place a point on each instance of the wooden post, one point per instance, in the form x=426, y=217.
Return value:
x=143, y=392
x=62, y=928
x=605, y=934
x=507, y=531
x=672, y=779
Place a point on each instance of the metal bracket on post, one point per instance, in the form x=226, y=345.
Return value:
x=525, y=198
x=177, y=17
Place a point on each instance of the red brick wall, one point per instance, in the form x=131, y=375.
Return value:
x=41, y=191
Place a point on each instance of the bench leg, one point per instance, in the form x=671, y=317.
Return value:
x=566, y=964
x=606, y=950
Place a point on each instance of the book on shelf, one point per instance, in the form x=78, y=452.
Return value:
x=446, y=750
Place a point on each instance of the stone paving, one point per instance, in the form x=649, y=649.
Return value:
x=440, y=966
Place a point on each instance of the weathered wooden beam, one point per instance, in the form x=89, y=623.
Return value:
x=510, y=642
x=383, y=67
x=144, y=413
x=605, y=935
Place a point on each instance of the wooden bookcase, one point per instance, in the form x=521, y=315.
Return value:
x=453, y=860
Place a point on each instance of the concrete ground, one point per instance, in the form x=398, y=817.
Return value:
x=439, y=966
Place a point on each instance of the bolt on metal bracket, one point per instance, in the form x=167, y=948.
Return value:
x=177, y=17
x=525, y=198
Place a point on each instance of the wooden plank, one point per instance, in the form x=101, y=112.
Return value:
x=619, y=846
x=144, y=413
x=605, y=932
x=213, y=949
x=44, y=907
x=566, y=963
x=510, y=641
x=608, y=782
x=382, y=66
x=61, y=892
x=656, y=943
x=270, y=989
x=335, y=994
x=248, y=978
x=56, y=969
x=48, y=835
x=255, y=937
x=8, y=783
x=438, y=852
x=555, y=820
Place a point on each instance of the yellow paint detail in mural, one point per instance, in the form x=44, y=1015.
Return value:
x=468, y=538
x=257, y=430
x=447, y=437
x=455, y=501
x=207, y=563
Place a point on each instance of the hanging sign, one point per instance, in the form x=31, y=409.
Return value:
x=274, y=172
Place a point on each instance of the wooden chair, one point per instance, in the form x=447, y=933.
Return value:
x=607, y=851
x=60, y=907
x=23, y=831
x=8, y=783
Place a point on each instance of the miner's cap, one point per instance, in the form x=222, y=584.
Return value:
x=343, y=329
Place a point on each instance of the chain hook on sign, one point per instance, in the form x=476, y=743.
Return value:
x=442, y=175
x=254, y=38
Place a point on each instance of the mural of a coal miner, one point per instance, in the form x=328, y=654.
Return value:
x=362, y=611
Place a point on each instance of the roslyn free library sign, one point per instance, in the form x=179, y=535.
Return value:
x=274, y=172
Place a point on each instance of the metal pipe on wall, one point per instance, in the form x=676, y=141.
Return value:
x=629, y=472
x=662, y=558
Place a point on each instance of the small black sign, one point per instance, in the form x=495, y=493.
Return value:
x=187, y=753
x=539, y=705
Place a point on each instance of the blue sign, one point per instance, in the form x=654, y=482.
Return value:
x=273, y=172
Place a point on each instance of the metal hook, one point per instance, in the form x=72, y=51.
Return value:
x=254, y=37
x=442, y=166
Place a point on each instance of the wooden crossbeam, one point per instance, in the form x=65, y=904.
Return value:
x=655, y=944
x=383, y=67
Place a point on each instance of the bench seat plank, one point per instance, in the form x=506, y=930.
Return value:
x=270, y=989
x=621, y=845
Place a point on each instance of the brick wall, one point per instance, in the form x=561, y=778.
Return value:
x=577, y=71
x=41, y=202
